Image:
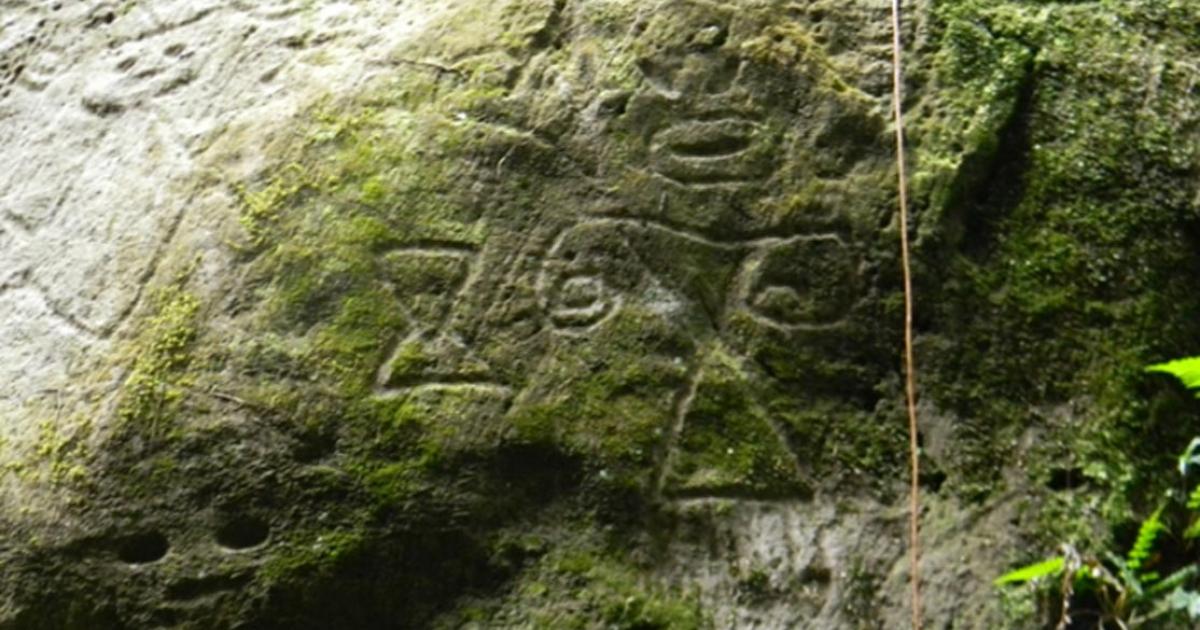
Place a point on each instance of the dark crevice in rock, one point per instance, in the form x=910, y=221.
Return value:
x=550, y=35
x=536, y=474
x=991, y=183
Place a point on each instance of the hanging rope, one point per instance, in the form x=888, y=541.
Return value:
x=910, y=385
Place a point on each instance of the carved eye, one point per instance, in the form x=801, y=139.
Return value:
x=579, y=302
x=804, y=282
x=143, y=547
x=242, y=532
x=585, y=275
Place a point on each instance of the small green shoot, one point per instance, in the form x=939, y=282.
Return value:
x=1186, y=370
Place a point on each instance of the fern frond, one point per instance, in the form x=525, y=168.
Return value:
x=1178, y=578
x=1031, y=572
x=1129, y=583
x=1193, y=530
x=1144, y=545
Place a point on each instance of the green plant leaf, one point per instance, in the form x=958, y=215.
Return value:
x=1027, y=573
x=1193, y=530
x=1193, y=501
x=1144, y=545
x=1129, y=584
x=1186, y=370
x=1174, y=581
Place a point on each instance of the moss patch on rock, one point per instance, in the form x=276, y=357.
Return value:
x=1061, y=207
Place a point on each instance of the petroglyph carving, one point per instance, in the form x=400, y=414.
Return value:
x=700, y=152
x=731, y=448
x=22, y=280
x=808, y=282
x=89, y=268
x=721, y=441
x=429, y=282
x=576, y=295
x=713, y=135
x=21, y=51
x=583, y=301
x=792, y=283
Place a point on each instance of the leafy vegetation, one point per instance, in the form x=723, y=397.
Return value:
x=1186, y=370
x=1152, y=582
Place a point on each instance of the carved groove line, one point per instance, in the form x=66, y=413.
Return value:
x=385, y=384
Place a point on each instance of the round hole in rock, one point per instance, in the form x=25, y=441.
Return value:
x=143, y=548
x=243, y=533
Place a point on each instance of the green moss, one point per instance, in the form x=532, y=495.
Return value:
x=155, y=386
x=1054, y=157
x=261, y=207
x=790, y=46
x=604, y=401
x=63, y=454
x=311, y=557
x=980, y=74
x=390, y=485
x=579, y=588
x=727, y=442
x=613, y=590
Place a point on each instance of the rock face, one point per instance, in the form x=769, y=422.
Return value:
x=576, y=314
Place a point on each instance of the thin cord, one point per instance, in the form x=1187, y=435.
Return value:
x=910, y=385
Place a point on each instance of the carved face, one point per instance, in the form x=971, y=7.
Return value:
x=187, y=536
x=202, y=572
x=735, y=112
x=706, y=111
x=700, y=309
x=694, y=357
x=676, y=291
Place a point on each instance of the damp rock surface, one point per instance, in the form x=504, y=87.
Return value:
x=577, y=314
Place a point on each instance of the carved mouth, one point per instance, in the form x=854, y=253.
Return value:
x=200, y=588
x=715, y=145
x=722, y=151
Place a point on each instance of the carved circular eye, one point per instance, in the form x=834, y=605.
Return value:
x=579, y=302
x=586, y=273
x=143, y=548
x=243, y=532
x=811, y=281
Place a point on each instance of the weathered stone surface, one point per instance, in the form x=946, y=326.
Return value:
x=574, y=314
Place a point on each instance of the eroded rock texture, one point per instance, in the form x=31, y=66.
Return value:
x=576, y=313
